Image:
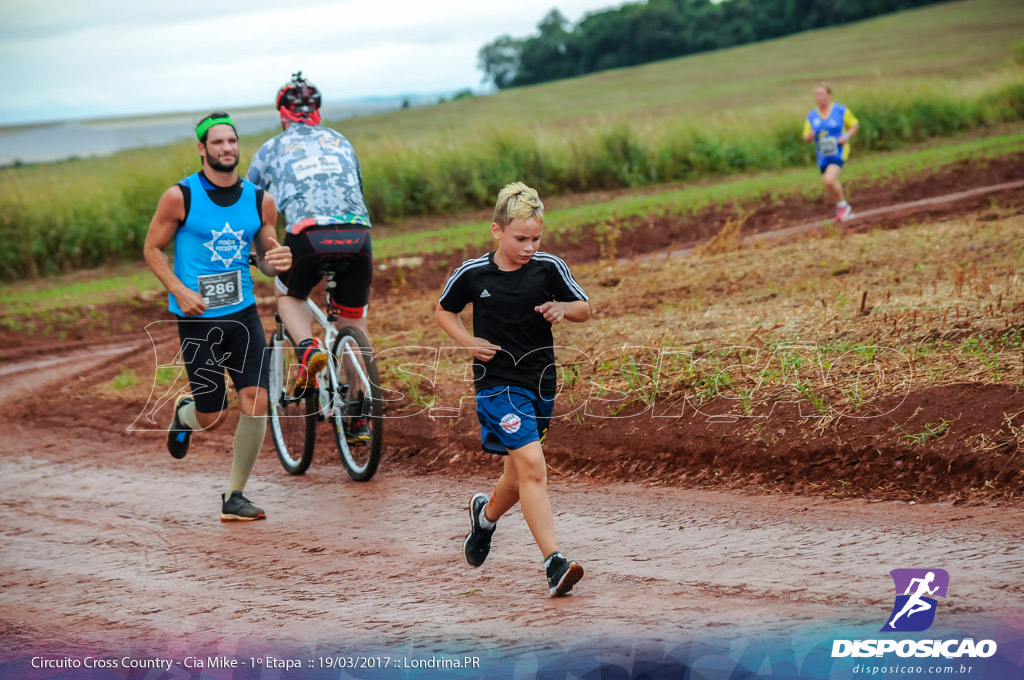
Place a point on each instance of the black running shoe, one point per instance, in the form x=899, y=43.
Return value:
x=312, y=361
x=358, y=432
x=562, y=574
x=179, y=434
x=238, y=508
x=478, y=542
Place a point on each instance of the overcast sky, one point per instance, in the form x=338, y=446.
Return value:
x=73, y=58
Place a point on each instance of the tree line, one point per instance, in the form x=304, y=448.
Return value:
x=639, y=32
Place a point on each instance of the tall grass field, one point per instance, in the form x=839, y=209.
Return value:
x=909, y=77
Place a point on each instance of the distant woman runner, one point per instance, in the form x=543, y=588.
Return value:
x=830, y=126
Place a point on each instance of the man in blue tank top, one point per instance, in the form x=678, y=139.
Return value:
x=212, y=217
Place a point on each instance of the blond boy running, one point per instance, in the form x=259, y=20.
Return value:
x=517, y=293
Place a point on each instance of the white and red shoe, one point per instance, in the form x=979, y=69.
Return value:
x=844, y=213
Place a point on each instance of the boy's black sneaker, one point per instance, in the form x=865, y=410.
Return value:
x=478, y=542
x=562, y=574
x=179, y=434
x=238, y=508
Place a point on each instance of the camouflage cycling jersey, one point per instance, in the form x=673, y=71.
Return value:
x=311, y=171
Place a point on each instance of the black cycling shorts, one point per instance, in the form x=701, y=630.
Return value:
x=236, y=342
x=346, y=250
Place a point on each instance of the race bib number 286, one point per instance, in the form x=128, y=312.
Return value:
x=220, y=290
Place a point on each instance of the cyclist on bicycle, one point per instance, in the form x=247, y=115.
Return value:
x=313, y=174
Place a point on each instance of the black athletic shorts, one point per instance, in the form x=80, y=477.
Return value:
x=235, y=342
x=346, y=250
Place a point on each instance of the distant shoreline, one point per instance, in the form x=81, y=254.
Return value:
x=54, y=141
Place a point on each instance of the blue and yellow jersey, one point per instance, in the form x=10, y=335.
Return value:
x=827, y=131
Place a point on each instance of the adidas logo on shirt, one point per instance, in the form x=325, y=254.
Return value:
x=485, y=294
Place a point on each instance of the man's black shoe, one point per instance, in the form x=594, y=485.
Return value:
x=179, y=435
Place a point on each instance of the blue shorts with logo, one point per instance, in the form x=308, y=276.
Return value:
x=831, y=160
x=511, y=417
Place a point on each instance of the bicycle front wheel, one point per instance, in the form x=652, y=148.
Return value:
x=358, y=416
x=292, y=420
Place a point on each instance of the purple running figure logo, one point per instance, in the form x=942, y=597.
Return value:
x=914, y=609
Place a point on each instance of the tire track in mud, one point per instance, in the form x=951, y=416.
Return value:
x=953, y=189
x=860, y=219
x=55, y=366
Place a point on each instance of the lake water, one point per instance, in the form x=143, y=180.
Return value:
x=82, y=138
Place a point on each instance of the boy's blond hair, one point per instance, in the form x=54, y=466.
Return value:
x=517, y=201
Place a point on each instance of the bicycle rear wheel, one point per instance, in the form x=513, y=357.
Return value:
x=292, y=420
x=360, y=407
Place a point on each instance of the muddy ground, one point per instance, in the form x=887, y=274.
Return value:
x=682, y=524
x=110, y=544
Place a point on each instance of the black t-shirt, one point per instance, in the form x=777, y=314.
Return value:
x=503, y=314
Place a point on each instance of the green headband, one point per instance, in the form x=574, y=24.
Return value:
x=204, y=126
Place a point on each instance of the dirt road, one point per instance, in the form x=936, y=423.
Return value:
x=110, y=542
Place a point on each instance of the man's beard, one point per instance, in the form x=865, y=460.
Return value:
x=222, y=167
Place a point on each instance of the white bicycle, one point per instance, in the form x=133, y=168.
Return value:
x=347, y=394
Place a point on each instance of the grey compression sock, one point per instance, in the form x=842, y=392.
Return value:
x=248, y=442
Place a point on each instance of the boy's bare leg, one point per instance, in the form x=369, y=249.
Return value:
x=506, y=492
x=532, y=472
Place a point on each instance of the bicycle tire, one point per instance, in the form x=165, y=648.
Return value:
x=292, y=422
x=361, y=462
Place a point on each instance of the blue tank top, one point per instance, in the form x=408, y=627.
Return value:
x=211, y=250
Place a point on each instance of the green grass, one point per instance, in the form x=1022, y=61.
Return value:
x=446, y=175
x=167, y=375
x=61, y=294
x=875, y=170
x=84, y=288
x=958, y=41
x=75, y=291
x=911, y=76
x=931, y=431
x=125, y=379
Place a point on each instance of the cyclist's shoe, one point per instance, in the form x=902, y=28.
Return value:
x=358, y=432
x=562, y=574
x=478, y=542
x=844, y=214
x=238, y=508
x=312, y=361
x=179, y=435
